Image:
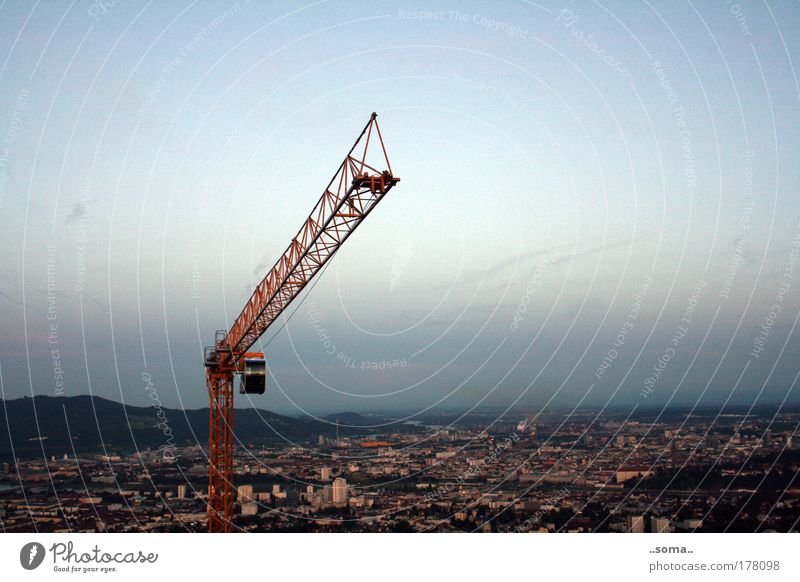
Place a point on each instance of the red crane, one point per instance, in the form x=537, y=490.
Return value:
x=353, y=192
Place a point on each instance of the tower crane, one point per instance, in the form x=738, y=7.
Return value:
x=353, y=192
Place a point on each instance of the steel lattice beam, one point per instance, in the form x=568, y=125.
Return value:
x=350, y=196
x=220, y=451
x=337, y=214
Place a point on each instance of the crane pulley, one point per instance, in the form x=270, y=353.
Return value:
x=353, y=192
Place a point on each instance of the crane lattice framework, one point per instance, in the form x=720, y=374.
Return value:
x=350, y=196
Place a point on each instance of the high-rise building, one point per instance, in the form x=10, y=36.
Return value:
x=320, y=440
x=690, y=523
x=249, y=508
x=244, y=493
x=635, y=523
x=339, y=493
x=659, y=525
x=181, y=491
x=325, y=473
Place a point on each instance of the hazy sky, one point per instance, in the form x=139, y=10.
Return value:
x=599, y=201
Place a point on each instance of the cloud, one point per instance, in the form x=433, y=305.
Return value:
x=83, y=294
x=261, y=268
x=585, y=252
x=554, y=257
x=8, y=297
x=77, y=212
x=93, y=300
x=516, y=260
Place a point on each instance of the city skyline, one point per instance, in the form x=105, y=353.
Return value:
x=580, y=473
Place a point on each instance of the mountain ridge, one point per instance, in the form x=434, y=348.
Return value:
x=87, y=423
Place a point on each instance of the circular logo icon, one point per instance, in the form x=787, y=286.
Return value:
x=31, y=555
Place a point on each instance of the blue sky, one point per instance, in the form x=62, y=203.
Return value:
x=569, y=171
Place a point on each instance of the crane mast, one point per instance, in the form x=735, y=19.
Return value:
x=353, y=192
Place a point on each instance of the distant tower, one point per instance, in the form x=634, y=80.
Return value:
x=245, y=493
x=181, y=491
x=659, y=524
x=339, y=491
x=320, y=440
x=635, y=523
x=325, y=473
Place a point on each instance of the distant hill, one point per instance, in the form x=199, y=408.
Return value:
x=354, y=419
x=87, y=423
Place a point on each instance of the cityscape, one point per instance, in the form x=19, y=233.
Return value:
x=583, y=471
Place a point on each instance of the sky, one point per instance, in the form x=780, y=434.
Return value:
x=598, y=201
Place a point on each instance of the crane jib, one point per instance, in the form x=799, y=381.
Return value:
x=353, y=192
x=317, y=240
